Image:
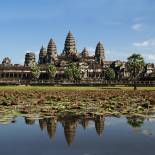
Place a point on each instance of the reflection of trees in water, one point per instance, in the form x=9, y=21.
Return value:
x=135, y=121
x=69, y=123
x=29, y=121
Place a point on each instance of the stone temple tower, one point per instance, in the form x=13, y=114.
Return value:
x=99, y=53
x=70, y=47
x=84, y=54
x=42, y=55
x=51, y=52
x=6, y=61
x=29, y=59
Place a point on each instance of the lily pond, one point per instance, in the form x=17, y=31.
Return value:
x=79, y=121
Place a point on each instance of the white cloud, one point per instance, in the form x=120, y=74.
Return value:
x=91, y=50
x=137, y=27
x=138, y=19
x=117, y=54
x=123, y=55
x=146, y=43
x=151, y=57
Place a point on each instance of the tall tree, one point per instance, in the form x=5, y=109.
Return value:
x=35, y=70
x=110, y=74
x=135, y=66
x=52, y=70
x=72, y=72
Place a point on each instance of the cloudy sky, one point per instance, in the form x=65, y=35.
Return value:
x=124, y=26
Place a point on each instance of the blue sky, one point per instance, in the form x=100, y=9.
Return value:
x=124, y=26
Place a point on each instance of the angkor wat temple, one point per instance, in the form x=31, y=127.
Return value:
x=92, y=67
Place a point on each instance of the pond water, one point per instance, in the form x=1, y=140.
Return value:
x=78, y=136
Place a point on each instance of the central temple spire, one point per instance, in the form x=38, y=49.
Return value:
x=99, y=53
x=70, y=45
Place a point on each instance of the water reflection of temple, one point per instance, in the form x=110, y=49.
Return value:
x=42, y=123
x=51, y=127
x=29, y=121
x=99, y=125
x=85, y=122
x=70, y=124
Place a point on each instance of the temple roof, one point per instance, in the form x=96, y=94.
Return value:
x=99, y=48
x=51, y=52
x=51, y=47
x=43, y=51
x=70, y=42
x=6, y=61
x=85, y=53
x=99, y=52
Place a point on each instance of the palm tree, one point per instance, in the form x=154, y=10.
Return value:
x=135, y=66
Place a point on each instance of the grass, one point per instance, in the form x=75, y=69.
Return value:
x=39, y=88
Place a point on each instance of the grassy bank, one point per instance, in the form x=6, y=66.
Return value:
x=39, y=88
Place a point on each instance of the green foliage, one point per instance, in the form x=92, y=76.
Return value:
x=110, y=74
x=52, y=70
x=72, y=72
x=35, y=70
x=135, y=65
x=135, y=121
x=68, y=73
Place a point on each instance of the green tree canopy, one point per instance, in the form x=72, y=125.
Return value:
x=135, y=66
x=135, y=121
x=52, y=70
x=35, y=70
x=72, y=72
x=110, y=74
